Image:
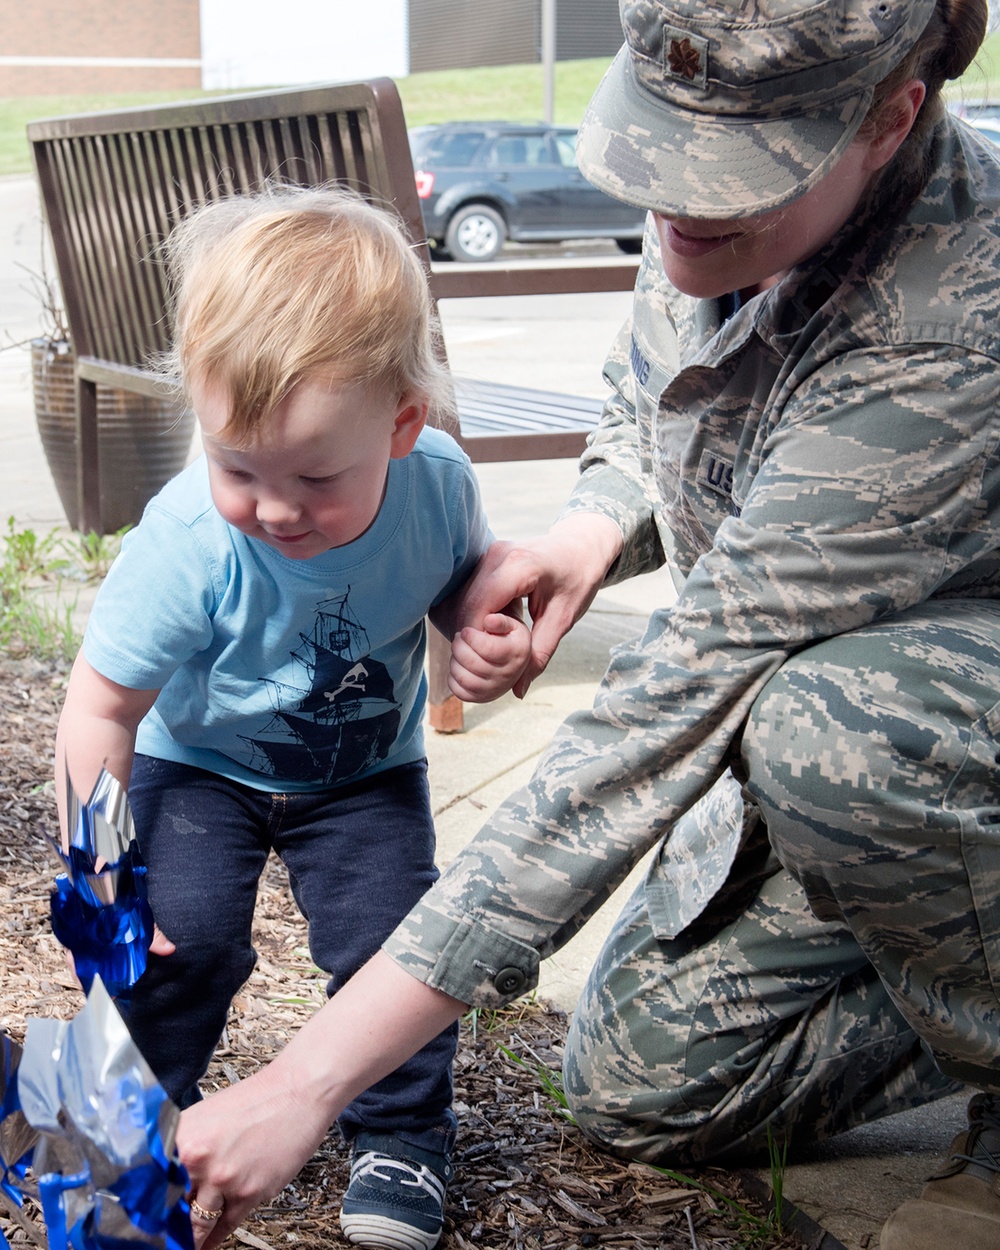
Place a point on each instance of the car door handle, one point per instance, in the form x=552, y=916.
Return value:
x=503, y=177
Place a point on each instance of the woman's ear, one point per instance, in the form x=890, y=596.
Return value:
x=410, y=420
x=895, y=121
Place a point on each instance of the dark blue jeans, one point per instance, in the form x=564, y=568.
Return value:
x=358, y=857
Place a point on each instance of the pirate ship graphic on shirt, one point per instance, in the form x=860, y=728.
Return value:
x=342, y=719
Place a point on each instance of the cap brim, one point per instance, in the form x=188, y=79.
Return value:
x=683, y=163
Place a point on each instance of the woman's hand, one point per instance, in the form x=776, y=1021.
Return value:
x=241, y=1147
x=558, y=573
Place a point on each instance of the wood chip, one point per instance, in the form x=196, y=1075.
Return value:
x=594, y=1218
x=251, y=1239
x=668, y=1199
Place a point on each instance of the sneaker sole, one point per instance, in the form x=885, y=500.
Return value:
x=380, y=1231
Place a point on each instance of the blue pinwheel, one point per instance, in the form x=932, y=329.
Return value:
x=17, y=1137
x=100, y=912
x=101, y=1150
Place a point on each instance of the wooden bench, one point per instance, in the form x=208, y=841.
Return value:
x=114, y=184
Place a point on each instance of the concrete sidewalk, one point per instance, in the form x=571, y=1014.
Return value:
x=848, y=1186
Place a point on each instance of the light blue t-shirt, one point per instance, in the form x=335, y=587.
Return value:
x=287, y=674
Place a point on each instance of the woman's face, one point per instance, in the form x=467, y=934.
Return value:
x=712, y=258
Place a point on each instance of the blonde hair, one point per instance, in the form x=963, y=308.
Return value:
x=296, y=284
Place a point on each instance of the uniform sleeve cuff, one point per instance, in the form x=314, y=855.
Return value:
x=463, y=957
x=604, y=491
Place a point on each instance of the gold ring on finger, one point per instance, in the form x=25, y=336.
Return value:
x=203, y=1213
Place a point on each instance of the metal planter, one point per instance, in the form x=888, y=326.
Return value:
x=143, y=442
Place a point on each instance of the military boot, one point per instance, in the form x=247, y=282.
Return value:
x=960, y=1206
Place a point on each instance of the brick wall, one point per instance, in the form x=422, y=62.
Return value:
x=140, y=45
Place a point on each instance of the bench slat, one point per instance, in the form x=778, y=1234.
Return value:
x=496, y=406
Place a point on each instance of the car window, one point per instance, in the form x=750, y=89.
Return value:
x=526, y=149
x=443, y=147
x=975, y=110
x=566, y=148
x=988, y=127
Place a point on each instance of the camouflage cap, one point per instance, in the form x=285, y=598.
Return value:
x=727, y=108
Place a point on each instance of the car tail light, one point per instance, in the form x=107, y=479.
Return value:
x=425, y=183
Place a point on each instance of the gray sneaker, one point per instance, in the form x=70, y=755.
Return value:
x=960, y=1206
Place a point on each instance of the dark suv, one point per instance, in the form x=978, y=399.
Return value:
x=481, y=183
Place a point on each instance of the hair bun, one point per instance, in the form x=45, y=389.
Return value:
x=966, y=22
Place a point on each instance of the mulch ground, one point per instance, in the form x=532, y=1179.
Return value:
x=526, y=1179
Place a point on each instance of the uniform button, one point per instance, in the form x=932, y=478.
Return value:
x=509, y=981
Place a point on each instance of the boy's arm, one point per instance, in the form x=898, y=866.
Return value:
x=97, y=730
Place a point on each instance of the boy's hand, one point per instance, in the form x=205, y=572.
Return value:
x=559, y=574
x=161, y=944
x=485, y=663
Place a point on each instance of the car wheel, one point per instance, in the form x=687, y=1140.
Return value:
x=631, y=247
x=475, y=232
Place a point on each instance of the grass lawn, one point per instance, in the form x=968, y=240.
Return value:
x=508, y=92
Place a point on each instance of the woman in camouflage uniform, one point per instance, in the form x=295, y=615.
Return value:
x=806, y=426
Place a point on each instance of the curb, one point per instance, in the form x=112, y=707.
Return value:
x=814, y=1237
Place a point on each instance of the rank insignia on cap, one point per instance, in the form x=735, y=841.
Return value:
x=685, y=56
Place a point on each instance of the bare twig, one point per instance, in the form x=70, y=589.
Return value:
x=690, y=1220
x=46, y=290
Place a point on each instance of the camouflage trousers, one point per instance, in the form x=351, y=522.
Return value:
x=850, y=965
